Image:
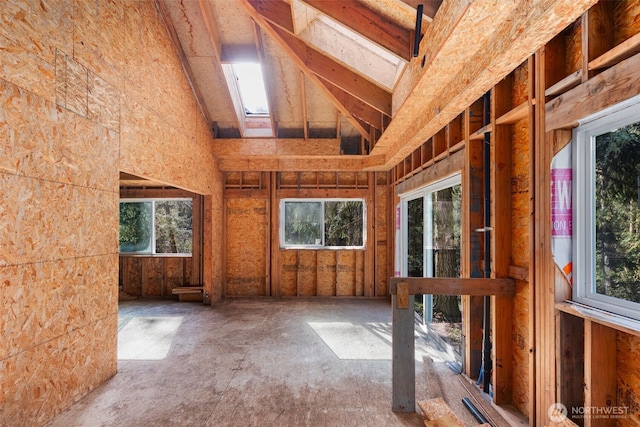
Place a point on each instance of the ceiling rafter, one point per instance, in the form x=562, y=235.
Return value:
x=253, y=7
x=278, y=12
x=327, y=68
x=319, y=63
x=214, y=38
x=177, y=47
x=266, y=76
x=358, y=108
x=305, y=119
x=430, y=7
x=368, y=23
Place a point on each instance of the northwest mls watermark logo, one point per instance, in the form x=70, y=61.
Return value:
x=558, y=412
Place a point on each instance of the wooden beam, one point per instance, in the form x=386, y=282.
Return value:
x=272, y=31
x=277, y=147
x=317, y=61
x=212, y=27
x=214, y=39
x=305, y=119
x=455, y=286
x=430, y=7
x=267, y=76
x=277, y=12
x=177, y=47
x=327, y=68
x=429, y=97
x=299, y=163
x=365, y=21
x=359, y=109
x=613, y=85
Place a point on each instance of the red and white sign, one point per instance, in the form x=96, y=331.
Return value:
x=561, y=203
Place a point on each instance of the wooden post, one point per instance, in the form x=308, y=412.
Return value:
x=542, y=262
x=370, y=249
x=274, y=244
x=599, y=373
x=403, y=353
x=570, y=357
x=501, y=236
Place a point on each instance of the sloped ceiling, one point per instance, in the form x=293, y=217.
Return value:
x=344, y=90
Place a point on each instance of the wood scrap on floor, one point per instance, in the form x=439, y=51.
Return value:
x=438, y=414
x=445, y=383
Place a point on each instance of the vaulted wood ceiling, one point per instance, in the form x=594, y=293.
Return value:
x=344, y=90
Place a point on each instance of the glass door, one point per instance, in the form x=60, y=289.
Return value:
x=430, y=227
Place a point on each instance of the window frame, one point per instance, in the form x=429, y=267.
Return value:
x=420, y=193
x=153, y=201
x=282, y=225
x=584, y=214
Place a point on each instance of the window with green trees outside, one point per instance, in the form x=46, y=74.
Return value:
x=322, y=223
x=156, y=226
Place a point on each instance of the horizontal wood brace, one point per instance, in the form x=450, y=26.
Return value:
x=455, y=286
x=320, y=193
x=187, y=290
x=605, y=318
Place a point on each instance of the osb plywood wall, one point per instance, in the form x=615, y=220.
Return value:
x=257, y=266
x=87, y=89
x=246, y=250
x=154, y=276
x=628, y=378
x=520, y=246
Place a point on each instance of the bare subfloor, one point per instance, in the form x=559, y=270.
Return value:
x=252, y=362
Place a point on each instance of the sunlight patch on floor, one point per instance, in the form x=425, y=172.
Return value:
x=352, y=341
x=147, y=338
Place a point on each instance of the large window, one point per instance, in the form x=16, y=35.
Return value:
x=607, y=216
x=322, y=223
x=156, y=226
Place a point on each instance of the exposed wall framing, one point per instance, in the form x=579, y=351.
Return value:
x=599, y=54
x=542, y=352
x=252, y=237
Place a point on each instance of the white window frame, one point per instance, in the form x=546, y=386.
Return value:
x=153, y=225
x=284, y=245
x=427, y=255
x=584, y=236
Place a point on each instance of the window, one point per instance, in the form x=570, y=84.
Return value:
x=249, y=96
x=251, y=88
x=326, y=223
x=156, y=226
x=606, y=242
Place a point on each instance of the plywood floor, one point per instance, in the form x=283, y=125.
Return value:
x=255, y=362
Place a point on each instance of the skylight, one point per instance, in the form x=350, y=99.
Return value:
x=247, y=90
x=251, y=87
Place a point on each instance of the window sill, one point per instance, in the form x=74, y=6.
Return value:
x=611, y=320
x=322, y=248
x=135, y=255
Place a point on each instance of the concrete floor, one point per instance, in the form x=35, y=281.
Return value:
x=252, y=362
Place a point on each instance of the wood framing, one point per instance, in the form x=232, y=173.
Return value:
x=368, y=23
x=415, y=122
x=454, y=286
